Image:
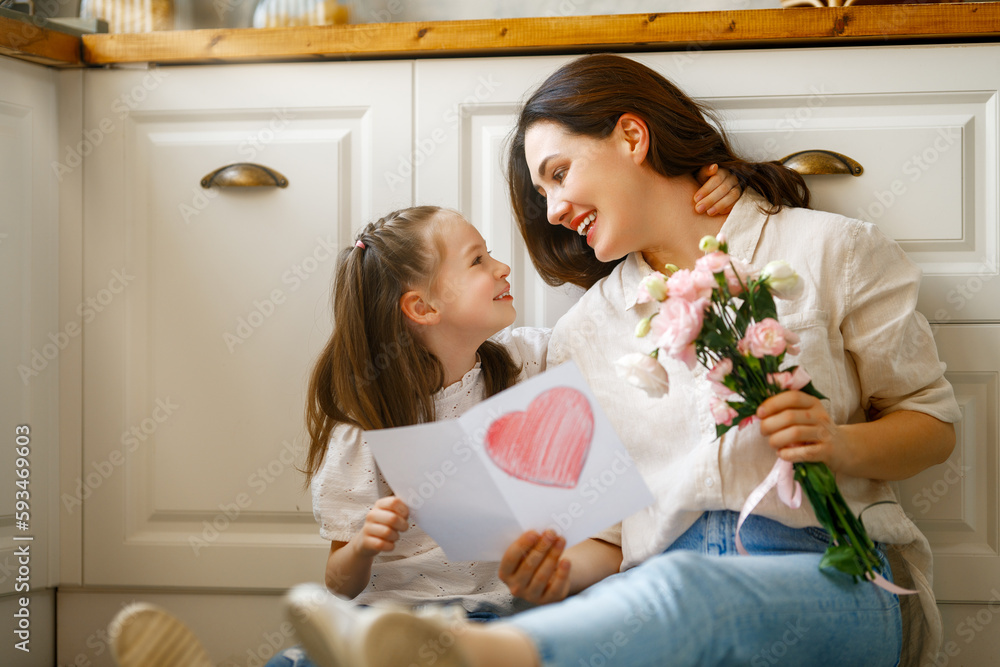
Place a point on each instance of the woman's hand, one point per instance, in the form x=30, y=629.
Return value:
x=533, y=569
x=800, y=429
x=382, y=527
x=719, y=190
x=895, y=446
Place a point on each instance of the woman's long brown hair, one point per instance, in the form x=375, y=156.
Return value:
x=374, y=373
x=587, y=97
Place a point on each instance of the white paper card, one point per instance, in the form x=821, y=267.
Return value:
x=539, y=455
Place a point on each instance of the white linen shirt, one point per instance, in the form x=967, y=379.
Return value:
x=862, y=342
x=416, y=571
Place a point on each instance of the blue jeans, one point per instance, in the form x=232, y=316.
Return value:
x=700, y=603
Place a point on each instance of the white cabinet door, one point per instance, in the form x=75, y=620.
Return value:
x=922, y=121
x=30, y=337
x=207, y=307
x=464, y=111
x=31, y=344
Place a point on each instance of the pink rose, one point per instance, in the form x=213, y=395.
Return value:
x=653, y=288
x=713, y=262
x=691, y=285
x=718, y=373
x=794, y=381
x=748, y=421
x=677, y=325
x=720, y=370
x=723, y=412
x=766, y=338
x=737, y=278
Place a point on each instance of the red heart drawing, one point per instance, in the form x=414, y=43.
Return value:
x=547, y=444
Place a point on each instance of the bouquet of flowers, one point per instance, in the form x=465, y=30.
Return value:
x=722, y=316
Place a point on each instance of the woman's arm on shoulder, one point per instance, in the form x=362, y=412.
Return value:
x=719, y=191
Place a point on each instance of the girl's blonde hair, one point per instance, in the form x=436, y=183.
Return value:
x=374, y=372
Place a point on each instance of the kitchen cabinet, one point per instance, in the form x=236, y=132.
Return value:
x=204, y=308
x=33, y=342
x=210, y=305
x=923, y=123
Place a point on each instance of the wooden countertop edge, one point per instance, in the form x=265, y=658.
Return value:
x=762, y=28
x=26, y=41
x=669, y=31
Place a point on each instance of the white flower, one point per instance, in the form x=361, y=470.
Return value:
x=708, y=244
x=652, y=288
x=644, y=372
x=643, y=327
x=782, y=279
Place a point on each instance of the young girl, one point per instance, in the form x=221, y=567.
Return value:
x=417, y=300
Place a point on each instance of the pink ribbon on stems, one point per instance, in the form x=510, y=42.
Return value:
x=782, y=475
x=887, y=585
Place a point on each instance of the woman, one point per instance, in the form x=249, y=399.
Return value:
x=602, y=149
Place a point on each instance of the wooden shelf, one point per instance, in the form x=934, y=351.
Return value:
x=761, y=28
x=703, y=30
x=26, y=41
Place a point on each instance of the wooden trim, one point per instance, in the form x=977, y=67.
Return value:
x=828, y=26
x=26, y=41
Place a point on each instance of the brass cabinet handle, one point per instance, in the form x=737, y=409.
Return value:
x=822, y=162
x=244, y=175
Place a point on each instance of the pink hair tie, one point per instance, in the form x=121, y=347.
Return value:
x=359, y=244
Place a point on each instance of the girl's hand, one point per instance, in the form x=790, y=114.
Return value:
x=533, y=570
x=800, y=429
x=719, y=190
x=383, y=524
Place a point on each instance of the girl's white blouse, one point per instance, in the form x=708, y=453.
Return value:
x=416, y=572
